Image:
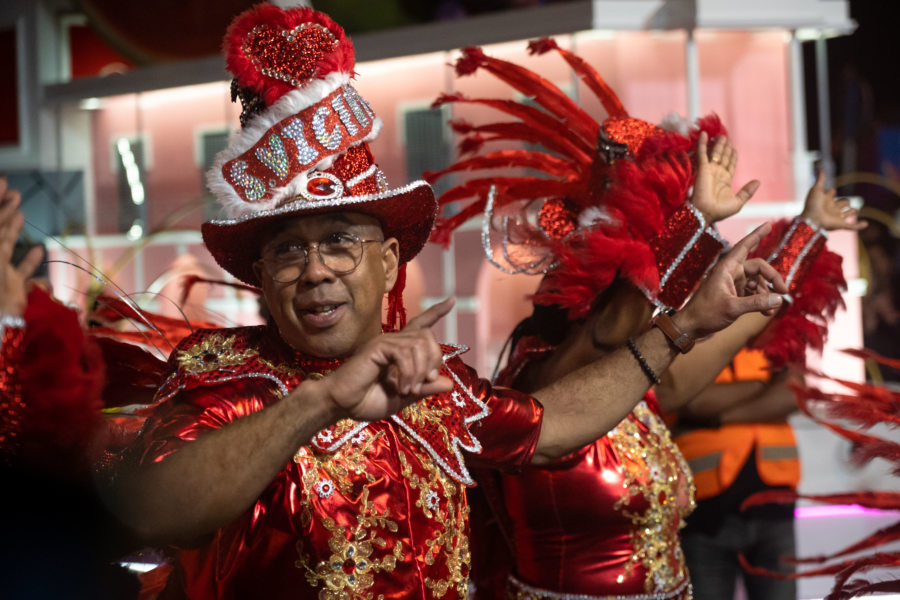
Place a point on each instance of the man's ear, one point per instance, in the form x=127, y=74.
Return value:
x=258, y=271
x=390, y=259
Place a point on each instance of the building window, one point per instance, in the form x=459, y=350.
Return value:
x=428, y=146
x=210, y=144
x=131, y=175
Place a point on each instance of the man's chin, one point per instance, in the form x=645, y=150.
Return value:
x=323, y=344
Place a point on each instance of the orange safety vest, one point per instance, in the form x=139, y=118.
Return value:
x=717, y=455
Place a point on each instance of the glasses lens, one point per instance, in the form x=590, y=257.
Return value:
x=285, y=262
x=341, y=252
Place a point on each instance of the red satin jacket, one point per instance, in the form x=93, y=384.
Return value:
x=366, y=510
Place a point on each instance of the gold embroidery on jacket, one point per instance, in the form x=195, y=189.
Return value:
x=338, y=466
x=442, y=500
x=424, y=418
x=653, y=468
x=289, y=370
x=213, y=352
x=350, y=570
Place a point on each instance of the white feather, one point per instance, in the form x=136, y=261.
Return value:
x=594, y=215
x=677, y=123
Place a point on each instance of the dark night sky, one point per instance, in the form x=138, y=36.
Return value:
x=874, y=50
x=864, y=91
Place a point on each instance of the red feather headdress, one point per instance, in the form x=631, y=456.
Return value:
x=580, y=216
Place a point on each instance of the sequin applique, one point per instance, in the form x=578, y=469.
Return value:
x=653, y=469
x=349, y=572
x=211, y=353
x=442, y=501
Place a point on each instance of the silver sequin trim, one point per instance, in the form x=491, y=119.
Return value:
x=343, y=439
x=687, y=247
x=787, y=235
x=784, y=239
x=800, y=258
x=365, y=174
x=530, y=268
x=462, y=475
x=281, y=387
x=345, y=202
x=684, y=586
x=11, y=322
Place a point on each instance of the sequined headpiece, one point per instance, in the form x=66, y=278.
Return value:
x=604, y=200
x=303, y=148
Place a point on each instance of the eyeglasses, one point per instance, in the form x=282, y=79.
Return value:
x=340, y=252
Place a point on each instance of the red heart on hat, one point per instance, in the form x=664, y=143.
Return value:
x=271, y=51
x=288, y=55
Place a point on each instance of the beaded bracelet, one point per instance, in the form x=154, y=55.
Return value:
x=648, y=371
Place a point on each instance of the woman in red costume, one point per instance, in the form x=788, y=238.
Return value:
x=610, y=228
x=59, y=542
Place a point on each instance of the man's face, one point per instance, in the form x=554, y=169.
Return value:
x=322, y=313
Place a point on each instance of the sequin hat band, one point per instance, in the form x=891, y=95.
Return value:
x=265, y=168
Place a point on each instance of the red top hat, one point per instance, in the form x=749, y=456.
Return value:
x=303, y=149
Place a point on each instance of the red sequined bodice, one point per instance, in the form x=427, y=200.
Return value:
x=604, y=521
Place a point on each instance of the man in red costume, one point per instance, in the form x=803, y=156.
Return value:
x=326, y=454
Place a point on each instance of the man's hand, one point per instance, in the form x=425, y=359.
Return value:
x=391, y=371
x=13, y=279
x=713, y=195
x=735, y=286
x=826, y=211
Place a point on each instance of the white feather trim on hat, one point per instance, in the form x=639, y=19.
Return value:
x=242, y=140
x=677, y=123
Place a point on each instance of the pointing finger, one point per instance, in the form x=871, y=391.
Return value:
x=820, y=181
x=432, y=315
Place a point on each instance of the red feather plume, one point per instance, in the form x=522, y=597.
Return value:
x=62, y=374
x=586, y=73
x=544, y=93
x=630, y=199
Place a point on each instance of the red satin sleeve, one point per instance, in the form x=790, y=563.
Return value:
x=192, y=413
x=509, y=434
